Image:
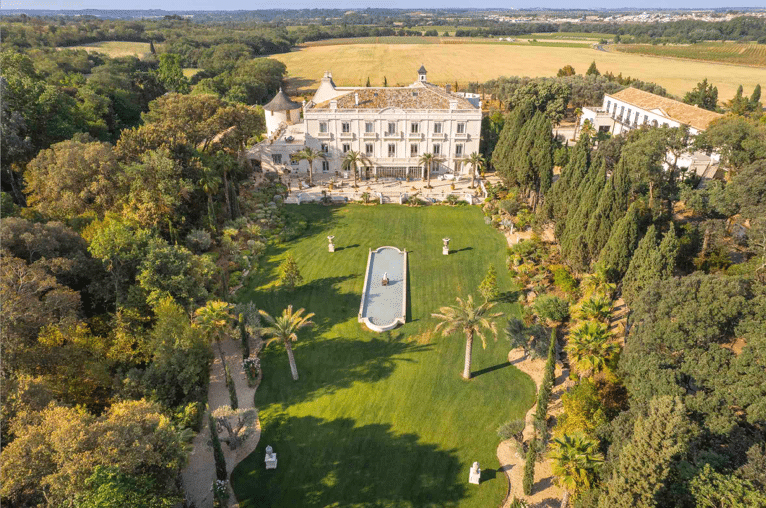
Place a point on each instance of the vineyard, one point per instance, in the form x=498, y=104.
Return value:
x=730, y=53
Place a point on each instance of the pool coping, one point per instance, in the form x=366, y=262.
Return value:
x=403, y=317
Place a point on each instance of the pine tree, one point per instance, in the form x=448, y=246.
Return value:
x=592, y=70
x=703, y=95
x=644, y=463
x=488, y=287
x=289, y=274
x=739, y=104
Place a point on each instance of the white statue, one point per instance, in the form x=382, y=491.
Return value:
x=475, y=475
x=331, y=247
x=271, y=458
x=445, y=248
x=385, y=279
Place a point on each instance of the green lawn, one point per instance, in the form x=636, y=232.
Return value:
x=382, y=420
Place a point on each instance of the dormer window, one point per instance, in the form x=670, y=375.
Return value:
x=414, y=94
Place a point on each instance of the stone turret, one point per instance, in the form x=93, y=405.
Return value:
x=281, y=110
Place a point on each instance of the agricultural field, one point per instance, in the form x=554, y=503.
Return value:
x=353, y=63
x=116, y=49
x=382, y=420
x=730, y=53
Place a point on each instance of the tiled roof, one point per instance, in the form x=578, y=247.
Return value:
x=684, y=113
x=416, y=97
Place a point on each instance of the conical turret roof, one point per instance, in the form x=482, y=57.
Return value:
x=281, y=102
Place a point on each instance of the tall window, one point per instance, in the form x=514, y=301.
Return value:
x=414, y=150
x=276, y=158
x=438, y=128
x=392, y=149
x=635, y=120
x=461, y=128
x=622, y=111
x=459, y=150
x=325, y=166
x=608, y=103
x=646, y=118
x=368, y=149
x=322, y=126
x=627, y=118
x=325, y=147
x=414, y=127
x=392, y=127
x=345, y=127
x=346, y=147
x=437, y=149
x=368, y=127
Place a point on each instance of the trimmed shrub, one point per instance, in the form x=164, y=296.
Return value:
x=551, y=308
x=511, y=429
x=529, y=468
x=220, y=461
x=198, y=241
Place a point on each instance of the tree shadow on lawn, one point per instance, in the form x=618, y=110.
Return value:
x=336, y=463
x=327, y=365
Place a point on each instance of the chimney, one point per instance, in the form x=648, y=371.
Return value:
x=448, y=88
x=453, y=104
x=334, y=104
x=356, y=98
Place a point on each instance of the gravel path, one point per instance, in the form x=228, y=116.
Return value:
x=199, y=474
x=545, y=493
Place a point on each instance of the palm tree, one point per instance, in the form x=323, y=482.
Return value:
x=352, y=161
x=427, y=160
x=283, y=329
x=588, y=129
x=215, y=321
x=578, y=114
x=597, y=307
x=575, y=461
x=224, y=164
x=210, y=184
x=477, y=161
x=471, y=320
x=309, y=155
x=588, y=347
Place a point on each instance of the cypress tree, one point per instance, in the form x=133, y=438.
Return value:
x=564, y=193
x=151, y=48
x=220, y=461
x=504, y=153
x=668, y=253
x=543, y=155
x=616, y=254
x=368, y=85
x=640, y=266
x=529, y=468
x=574, y=247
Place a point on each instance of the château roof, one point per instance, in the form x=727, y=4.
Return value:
x=423, y=96
x=683, y=113
x=281, y=102
x=422, y=69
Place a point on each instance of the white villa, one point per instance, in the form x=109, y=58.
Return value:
x=390, y=126
x=632, y=108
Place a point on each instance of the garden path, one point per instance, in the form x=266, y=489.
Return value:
x=199, y=474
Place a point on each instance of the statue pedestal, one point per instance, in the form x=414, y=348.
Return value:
x=475, y=475
x=384, y=282
x=271, y=458
x=445, y=250
x=331, y=248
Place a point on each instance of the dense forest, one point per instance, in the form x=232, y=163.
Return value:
x=667, y=410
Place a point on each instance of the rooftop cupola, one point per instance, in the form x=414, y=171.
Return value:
x=422, y=74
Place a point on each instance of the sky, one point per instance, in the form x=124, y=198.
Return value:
x=357, y=4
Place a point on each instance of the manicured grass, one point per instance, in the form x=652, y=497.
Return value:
x=382, y=420
x=351, y=64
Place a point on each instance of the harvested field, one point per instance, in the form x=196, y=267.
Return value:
x=729, y=53
x=352, y=63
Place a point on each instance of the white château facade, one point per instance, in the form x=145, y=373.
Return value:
x=632, y=108
x=392, y=127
